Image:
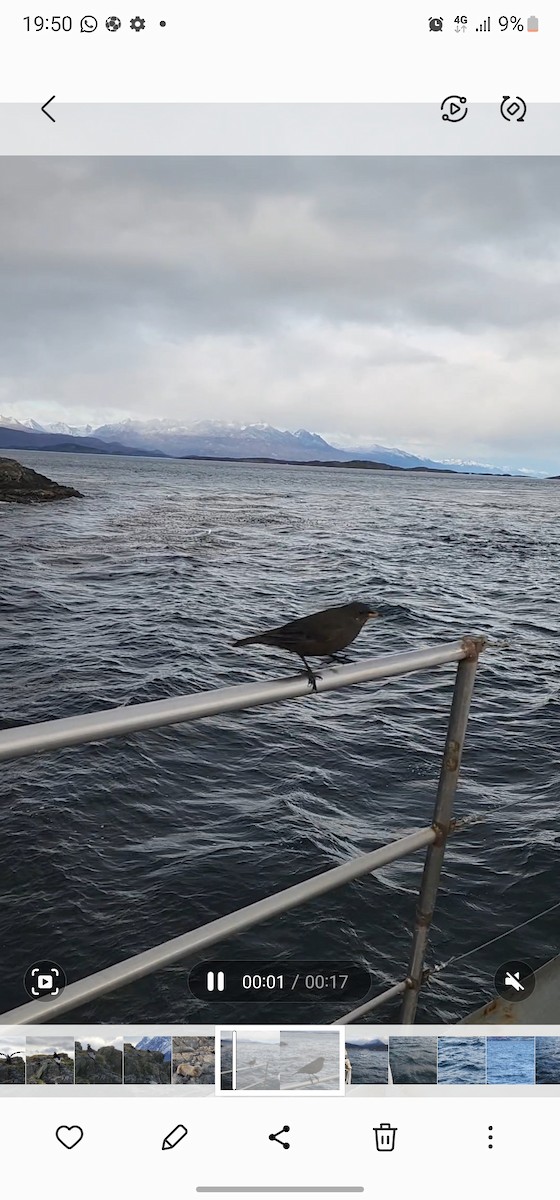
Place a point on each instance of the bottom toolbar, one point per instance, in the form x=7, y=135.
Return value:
x=155, y=1146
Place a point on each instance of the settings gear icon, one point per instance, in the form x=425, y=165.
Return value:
x=137, y=23
x=112, y=24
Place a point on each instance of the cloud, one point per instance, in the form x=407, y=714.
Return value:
x=414, y=302
x=97, y=1043
x=50, y=1045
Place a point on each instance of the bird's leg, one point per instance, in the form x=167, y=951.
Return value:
x=310, y=674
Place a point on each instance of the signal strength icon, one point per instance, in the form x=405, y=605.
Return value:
x=484, y=27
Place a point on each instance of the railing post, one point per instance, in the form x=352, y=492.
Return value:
x=443, y=813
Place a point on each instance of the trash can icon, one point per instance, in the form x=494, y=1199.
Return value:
x=385, y=1136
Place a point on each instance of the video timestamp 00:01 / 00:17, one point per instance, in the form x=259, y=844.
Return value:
x=229, y=980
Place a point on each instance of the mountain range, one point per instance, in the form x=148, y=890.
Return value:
x=163, y=1044
x=212, y=439
x=372, y=1044
x=20, y=436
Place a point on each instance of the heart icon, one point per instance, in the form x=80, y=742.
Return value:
x=69, y=1135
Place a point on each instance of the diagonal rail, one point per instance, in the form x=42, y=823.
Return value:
x=43, y=736
x=200, y=939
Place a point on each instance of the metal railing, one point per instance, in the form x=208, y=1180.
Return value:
x=46, y=736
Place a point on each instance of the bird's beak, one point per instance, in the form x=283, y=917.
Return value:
x=372, y=614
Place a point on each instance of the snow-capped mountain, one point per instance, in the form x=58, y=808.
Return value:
x=27, y=423
x=59, y=427
x=72, y=430
x=163, y=1044
x=230, y=439
x=220, y=439
x=401, y=458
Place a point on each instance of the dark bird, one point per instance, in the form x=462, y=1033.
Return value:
x=321, y=635
x=312, y=1069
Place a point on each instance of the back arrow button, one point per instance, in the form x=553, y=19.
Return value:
x=44, y=109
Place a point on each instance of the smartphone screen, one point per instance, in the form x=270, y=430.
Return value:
x=279, y=552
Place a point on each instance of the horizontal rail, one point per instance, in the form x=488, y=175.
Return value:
x=43, y=736
x=200, y=939
x=383, y=998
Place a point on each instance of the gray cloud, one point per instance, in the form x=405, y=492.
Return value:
x=409, y=301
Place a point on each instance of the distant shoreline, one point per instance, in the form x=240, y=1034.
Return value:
x=23, y=439
x=356, y=464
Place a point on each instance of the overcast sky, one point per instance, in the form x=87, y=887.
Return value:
x=97, y=1043
x=12, y=1044
x=411, y=302
x=50, y=1044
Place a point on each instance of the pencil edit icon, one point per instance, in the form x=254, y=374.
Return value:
x=172, y=1139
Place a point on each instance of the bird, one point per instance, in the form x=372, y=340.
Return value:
x=320, y=635
x=312, y=1069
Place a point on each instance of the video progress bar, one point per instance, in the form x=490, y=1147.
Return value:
x=280, y=1189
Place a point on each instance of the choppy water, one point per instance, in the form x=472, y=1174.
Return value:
x=547, y=1059
x=368, y=1065
x=413, y=1060
x=462, y=1060
x=136, y=592
x=510, y=1060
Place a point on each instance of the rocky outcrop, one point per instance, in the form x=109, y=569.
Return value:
x=47, y=1068
x=22, y=485
x=145, y=1066
x=98, y=1066
x=193, y=1060
x=12, y=1068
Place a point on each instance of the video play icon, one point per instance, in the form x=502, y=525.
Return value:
x=454, y=108
x=44, y=980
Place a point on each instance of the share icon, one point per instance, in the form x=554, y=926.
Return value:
x=275, y=1137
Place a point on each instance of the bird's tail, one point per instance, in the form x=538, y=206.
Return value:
x=246, y=641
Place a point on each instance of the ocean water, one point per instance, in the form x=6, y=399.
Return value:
x=369, y=1064
x=547, y=1059
x=136, y=593
x=413, y=1060
x=462, y=1060
x=510, y=1060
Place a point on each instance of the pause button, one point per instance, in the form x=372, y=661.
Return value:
x=215, y=981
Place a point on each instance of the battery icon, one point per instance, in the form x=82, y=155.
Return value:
x=217, y=981
x=532, y=24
